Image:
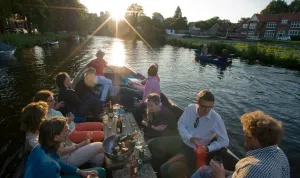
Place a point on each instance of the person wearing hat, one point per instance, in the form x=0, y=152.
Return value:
x=100, y=64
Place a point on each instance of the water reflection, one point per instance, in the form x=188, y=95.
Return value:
x=118, y=53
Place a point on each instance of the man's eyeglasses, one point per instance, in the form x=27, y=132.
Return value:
x=205, y=107
x=196, y=122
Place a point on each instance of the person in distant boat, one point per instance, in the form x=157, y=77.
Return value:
x=198, y=126
x=84, y=89
x=76, y=154
x=158, y=121
x=224, y=56
x=204, y=50
x=262, y=135
x=44, y=160
x=79, y=130
x=100, y=64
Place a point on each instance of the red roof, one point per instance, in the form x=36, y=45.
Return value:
x=278, y=17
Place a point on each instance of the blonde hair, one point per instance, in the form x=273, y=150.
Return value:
x=32, y=115
x=267, y=130
x=154, y=98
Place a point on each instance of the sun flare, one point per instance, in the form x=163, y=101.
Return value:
x=118, y=12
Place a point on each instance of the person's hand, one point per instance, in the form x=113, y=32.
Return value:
x=217, y=170
x=70, y=118
x=145, y=123
x=85, y=142
x=160, y=128
x=195, y=141
x=60, y=105
x=87, y=173
x=89, y=135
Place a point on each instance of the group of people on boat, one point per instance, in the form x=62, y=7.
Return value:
x=223, y=57
x=65, y=135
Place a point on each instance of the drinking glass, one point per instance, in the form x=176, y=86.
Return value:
x=105, y=119
x=110, y=122
x=123, y=119
x=116, y=109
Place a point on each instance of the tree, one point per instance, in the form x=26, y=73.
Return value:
x=157, y=15
x=178, y=13
x=294, y=6
x=276, y=7
x=168, y=22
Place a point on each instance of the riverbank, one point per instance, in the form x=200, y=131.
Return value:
x=268, y=54
x=30, y=40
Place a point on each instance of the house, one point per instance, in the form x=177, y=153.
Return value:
x=220, y=29
x=193, y=30
x=272, y=26
x=241, y=29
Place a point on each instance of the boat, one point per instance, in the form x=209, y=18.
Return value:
x=120, y=77
x=211, y=59
x=6, y=51
x=51, y=42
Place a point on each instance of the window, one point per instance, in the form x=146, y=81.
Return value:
x=284, y=21
x=245, y=25
x=271, y=24
x=252, y=26
x=294, y=32
x=295, y=24
x=244, y=33
x=281, y=34
x=251, y=33
x=269, y=33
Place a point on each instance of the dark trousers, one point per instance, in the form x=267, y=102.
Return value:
x=90, y=104
x=173, y=158
x=126, y=96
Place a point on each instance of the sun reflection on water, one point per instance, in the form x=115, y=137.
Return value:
x=118, y=54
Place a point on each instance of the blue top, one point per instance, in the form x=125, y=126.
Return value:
x=46, y=165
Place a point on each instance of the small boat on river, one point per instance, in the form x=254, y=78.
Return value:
x=6, y=51
x=119, y=77
x=211, y=59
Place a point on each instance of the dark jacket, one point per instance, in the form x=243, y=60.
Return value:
x=163, y=117
x=83, y=91
x=72, y=102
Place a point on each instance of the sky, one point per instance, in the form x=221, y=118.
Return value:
x=194, y=10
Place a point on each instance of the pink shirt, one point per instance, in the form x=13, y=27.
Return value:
x=152, y=86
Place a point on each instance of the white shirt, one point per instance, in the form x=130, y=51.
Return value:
x=53, y=113
x=208, y=127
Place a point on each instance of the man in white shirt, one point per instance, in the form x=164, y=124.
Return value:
x=199, y=125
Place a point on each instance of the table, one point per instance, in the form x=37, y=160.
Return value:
x=147, y=169
x=131, y=126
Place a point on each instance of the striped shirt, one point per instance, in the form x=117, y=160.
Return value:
x=268, y=162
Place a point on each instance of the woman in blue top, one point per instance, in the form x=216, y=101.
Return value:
x=44, y=160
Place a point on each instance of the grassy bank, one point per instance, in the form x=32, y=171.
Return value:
x=269, y=54
x=30, y=40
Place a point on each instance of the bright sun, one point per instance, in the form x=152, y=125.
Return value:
x=118, y=12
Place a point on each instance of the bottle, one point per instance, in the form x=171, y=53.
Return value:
x=119, y=125
x=200, y=157
x=110, y=110
x=133, y=167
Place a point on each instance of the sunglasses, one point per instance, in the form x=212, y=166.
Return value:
x=196, y=122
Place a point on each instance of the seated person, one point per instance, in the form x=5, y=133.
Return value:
x=100, y=64
x=262, y=135
x=151, y=83
x=84, y=90
x=79, y=130
x=44, y=160
x=159, y=120
x=204, y=50
x=224, y=56
x=197, y=126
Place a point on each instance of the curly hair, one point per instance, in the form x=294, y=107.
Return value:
x=48, y=130
x=32, y=115
x=205, y=95
x=258, y=125
x=42, y=95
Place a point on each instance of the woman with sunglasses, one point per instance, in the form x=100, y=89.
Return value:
x=158, y=120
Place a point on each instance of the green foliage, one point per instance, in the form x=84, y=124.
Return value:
x=276, y=7
x=207, y=24
x=266, y=54
x=294, y=6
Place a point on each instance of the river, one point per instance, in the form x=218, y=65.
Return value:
x=238, y=89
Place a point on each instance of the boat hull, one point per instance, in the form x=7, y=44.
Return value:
x=211, y=59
